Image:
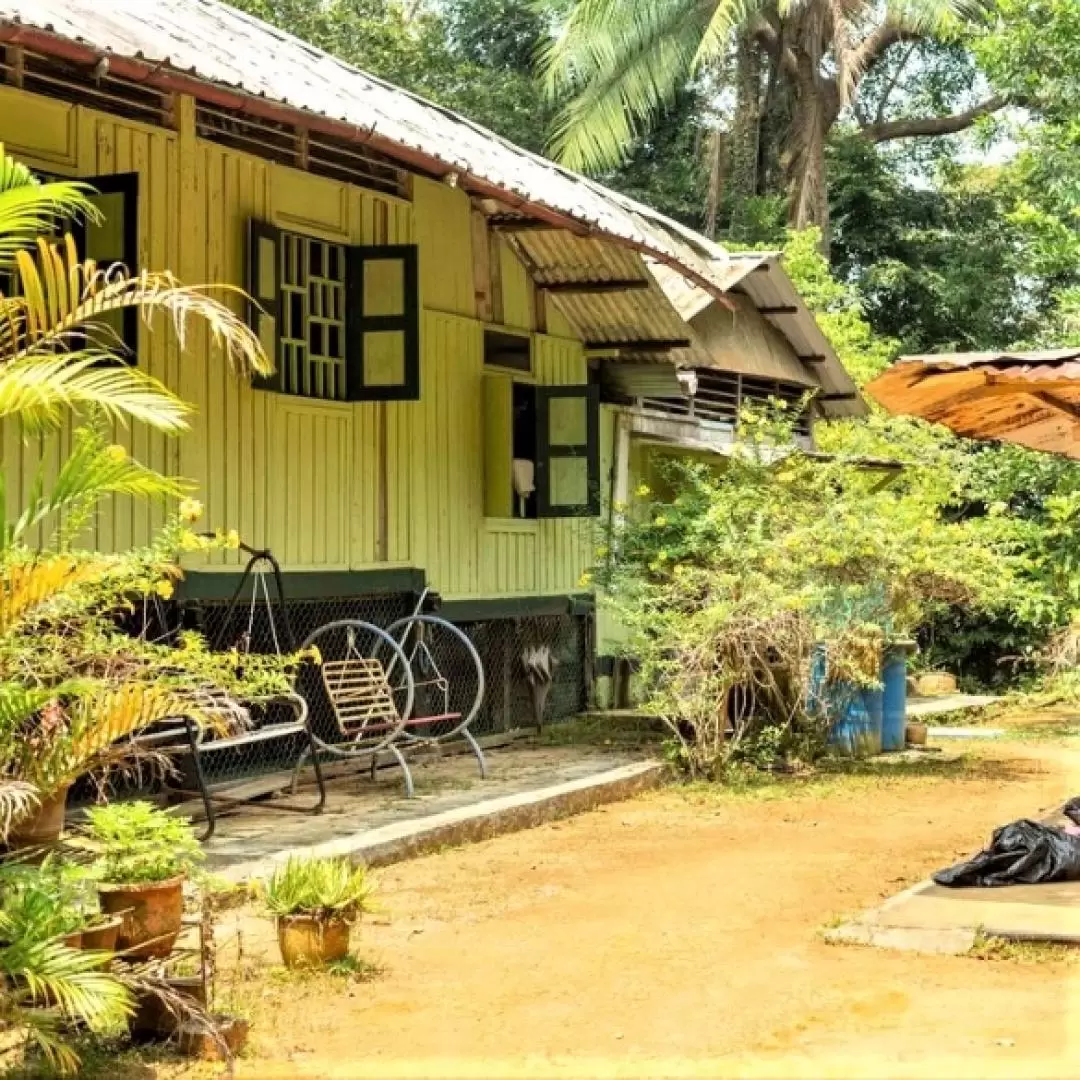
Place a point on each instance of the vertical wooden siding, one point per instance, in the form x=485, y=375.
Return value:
x=325, y=485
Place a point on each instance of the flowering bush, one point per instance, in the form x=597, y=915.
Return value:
x=727, y=586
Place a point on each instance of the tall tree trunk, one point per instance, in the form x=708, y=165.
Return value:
x=746, y=123
x=815, y=109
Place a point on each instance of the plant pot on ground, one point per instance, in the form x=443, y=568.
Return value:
x=316, y=902
x=144, y=857
x=43, y=825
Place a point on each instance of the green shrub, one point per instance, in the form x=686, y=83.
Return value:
x=138, y=843
x=324, y=888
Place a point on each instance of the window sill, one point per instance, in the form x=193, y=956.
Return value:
x=512, y=525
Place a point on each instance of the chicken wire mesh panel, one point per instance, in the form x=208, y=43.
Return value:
x=276, y=627
x=503, y=645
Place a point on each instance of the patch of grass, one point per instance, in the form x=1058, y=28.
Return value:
x=839, y=777
x=624, y=732
x=1014, y=951
x=102, y=1059
x=350, y=969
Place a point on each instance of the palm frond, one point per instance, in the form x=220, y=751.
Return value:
x=17, y=801
x=728, y=16
x=29, y=208
x=48, y=985
x=91, y=472
x=39, y=389
x=64, y=300
x=27, y=585
x=622, y=62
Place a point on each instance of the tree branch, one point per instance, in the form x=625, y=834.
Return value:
x=874, y=46
x=933, y=125
x=768, y=37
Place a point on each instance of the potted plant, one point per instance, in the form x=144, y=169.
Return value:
x=316, y=902
x=144, y=856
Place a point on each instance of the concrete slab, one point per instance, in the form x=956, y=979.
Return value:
x=950, y=942
x=920, y=708
x=250, y=844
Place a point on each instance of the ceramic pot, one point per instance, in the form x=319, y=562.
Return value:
x=151, y=913
x=43, y=826
x=311, y=941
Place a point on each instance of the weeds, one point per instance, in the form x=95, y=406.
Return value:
x=1019, y=951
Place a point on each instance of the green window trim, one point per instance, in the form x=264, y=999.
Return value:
x=309, y=301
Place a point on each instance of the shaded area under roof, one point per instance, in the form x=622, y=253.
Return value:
x=1028, y=398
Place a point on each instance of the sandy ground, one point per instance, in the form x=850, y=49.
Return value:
x=680, y=935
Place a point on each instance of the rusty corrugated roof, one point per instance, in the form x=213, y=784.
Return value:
x=1030, y=398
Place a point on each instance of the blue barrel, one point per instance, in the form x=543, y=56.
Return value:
x=894, y=683
x=857, y=731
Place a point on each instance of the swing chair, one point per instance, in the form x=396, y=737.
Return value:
x=386, y=690
x=242, y=724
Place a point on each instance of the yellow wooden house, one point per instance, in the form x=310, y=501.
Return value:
x=473, y=345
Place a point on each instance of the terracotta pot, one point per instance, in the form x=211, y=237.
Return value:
x=152, y=1018
x=151, y=911
x=916, y=734
x=233, y=1031
x=73, y=940
x=43, y=826
x=103, y=935
x=310, y=941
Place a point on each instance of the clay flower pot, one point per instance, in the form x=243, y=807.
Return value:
x=43, y=826
x=312, y=940
x=232, y=1034
x=103, y=935
x=151, y=913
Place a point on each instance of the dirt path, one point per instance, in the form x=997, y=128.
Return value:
x=679, y=935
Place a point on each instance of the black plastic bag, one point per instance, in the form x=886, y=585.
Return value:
x=1023, y=853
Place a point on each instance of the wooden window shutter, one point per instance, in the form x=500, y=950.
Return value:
x=383, y=301
x=568, y=451
x=263, y=286
x=113, y=240
x=498, y=445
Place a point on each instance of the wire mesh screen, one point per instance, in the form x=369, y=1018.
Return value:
x=444, y=672
x=502, y=643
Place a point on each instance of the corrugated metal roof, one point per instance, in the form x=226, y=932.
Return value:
x=761, y=277
x=223, y=47
x=1030, y=398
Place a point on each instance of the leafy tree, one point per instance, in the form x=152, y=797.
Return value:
x=617, y=64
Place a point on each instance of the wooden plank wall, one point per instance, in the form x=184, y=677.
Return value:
x=327, y=486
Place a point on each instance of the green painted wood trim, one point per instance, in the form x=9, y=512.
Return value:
x=308, y=585
x=516, y=607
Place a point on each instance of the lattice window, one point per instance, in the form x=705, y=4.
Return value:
x=312, y=342
x=343, y=322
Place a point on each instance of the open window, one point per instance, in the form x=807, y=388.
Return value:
x=541, y=449
x=342, y=323
x=113, y=241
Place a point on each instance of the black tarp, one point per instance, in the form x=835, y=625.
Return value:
x=1022, y=853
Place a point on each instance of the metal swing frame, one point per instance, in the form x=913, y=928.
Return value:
x=359, y=692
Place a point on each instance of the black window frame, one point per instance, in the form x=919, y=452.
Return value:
x=546, y=451
x=127, y=185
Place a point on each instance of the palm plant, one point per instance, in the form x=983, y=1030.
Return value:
x=618, y=64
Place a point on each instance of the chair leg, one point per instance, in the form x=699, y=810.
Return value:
x=410, y=791
x=309, y=749
x=200, y=779
x=319, y=780
x=479, y=754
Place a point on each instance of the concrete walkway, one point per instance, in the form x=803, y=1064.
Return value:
x=373, y=823
x=932, y=918
x=920, y=708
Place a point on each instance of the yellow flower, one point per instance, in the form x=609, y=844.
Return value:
x=602, y=552
x=232, y=539
x=188, y=541
x=620, y=507
x=643, y=491
x=662, y=556
x=117, y=452
x=585, y=580
x=164, y=589
x=191, y=510
x=660, y=521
